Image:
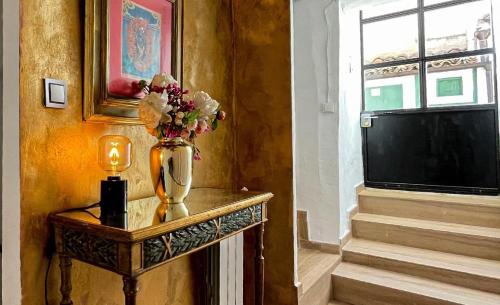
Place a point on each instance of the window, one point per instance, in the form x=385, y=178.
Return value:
x=419, y=54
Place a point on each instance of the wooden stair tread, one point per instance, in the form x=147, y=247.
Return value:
x=473, y=231
x=440, y=208
x=313, y=264
x=460, y=263
x=337, y=303
x=491, y=201
x=415, y=285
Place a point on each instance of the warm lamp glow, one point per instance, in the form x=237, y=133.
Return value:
x=115, y=154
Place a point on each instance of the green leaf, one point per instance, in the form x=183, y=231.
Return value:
x=215, y=124
x=192, y=116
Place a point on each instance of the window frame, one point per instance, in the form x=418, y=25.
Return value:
x=423, y=59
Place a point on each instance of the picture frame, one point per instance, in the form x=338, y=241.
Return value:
x=126, y=41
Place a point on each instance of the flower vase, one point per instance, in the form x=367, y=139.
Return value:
x=171, y=164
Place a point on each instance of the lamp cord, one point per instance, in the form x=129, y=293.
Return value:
x=85, y=210
x=47, y=281
x=91, y=214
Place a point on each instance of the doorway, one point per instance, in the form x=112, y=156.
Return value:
x=430, y=111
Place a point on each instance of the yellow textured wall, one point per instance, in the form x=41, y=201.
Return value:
x=58, y=151
x=264, y=130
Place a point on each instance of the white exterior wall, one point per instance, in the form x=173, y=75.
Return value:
x=350, y=146
x=316, y=133
x=327, y=145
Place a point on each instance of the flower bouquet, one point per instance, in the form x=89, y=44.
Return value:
x=176, y=121
x=167, y=113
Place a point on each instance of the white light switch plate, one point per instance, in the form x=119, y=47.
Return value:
x=327, y=107
x=56, y=93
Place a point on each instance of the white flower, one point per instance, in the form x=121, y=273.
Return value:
x=153, y=109
x=155, y=100
x=163, y=80
x=149, y=115
x=178, y=121
x=180, y=115
x=205, y=104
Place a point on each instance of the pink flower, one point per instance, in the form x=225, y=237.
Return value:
x=203, y=125
x=221, y=115
x=197, y=156
x=157, y=89
x=173, y=133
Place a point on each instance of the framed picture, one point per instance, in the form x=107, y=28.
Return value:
x=127, y=41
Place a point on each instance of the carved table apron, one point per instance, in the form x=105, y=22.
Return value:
x=144, y=242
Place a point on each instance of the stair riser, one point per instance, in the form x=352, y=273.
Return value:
x=473, y=214
x=320, y=293
x=483, y=247
x=360, y=293
x=443, y=275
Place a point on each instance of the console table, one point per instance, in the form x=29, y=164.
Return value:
x=142, y=241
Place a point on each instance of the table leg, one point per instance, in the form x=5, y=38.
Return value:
x=65, y=267
x=259, y=264
x=130, y=288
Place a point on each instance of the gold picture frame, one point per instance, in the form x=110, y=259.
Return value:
x=99, y=105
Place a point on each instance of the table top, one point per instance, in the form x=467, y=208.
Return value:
x=145, y=216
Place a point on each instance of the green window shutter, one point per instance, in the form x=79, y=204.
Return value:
x=450, y=86
x=384, y=98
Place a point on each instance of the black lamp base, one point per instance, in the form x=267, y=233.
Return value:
x=114, y=202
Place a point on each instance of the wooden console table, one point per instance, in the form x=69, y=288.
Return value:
x=142, y=242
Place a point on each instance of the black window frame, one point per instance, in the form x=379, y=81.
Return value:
x=423, y=59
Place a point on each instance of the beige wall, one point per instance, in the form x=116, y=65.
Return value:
x=253, y=148
x=58, y=151
x=263, y=99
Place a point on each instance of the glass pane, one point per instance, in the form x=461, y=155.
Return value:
x=388, y=8
x=460, y=81
x=391, y=88
x=468, y=29
x=390, y=40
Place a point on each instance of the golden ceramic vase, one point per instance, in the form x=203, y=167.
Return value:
x=171, y=163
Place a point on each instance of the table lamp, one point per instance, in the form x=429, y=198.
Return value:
x=114, y=158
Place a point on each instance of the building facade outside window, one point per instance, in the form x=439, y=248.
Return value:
x=420, y=54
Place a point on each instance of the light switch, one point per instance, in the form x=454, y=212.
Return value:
x=328, y=107
x=56, y=95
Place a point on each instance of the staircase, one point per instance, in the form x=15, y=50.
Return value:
x=421, y=248
x=316, y=263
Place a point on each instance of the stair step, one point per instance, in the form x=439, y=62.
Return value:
x=463, y=209
x=315, y=268
x=445, y=237
x=470, y=272
x=361, y=285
